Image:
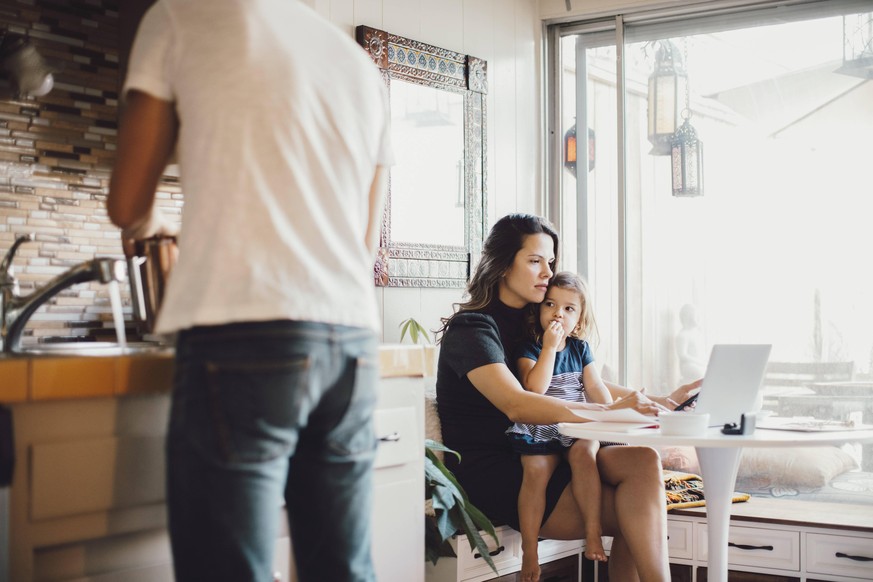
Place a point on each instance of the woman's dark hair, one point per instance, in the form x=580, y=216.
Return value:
x=498, y=252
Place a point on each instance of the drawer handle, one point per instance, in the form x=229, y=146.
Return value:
x=390, y=438
x=494, y=553
x=856, y=558
x=747, y=547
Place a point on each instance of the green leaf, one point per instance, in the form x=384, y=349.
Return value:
x=453, y=511
x=416, y=331
x=432, y=445
x=404, y=328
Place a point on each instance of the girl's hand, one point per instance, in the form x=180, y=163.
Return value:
x=553, y=335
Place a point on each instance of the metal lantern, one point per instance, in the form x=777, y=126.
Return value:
x=667, y=86
x=686, y=155
x=570, y=150
x=570, y=147
x=858, y=45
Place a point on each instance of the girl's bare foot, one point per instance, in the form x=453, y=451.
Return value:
x=594, y=548
x=530, y=567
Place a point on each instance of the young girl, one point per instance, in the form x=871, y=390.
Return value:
x=560, y=364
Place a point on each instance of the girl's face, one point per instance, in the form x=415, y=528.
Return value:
x=563, y=307
x=527, y=279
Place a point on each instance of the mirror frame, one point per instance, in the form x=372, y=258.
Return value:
x=407, y=264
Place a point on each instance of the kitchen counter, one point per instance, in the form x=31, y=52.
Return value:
x=87, y=495
x=29, y=378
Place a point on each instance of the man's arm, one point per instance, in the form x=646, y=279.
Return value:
x=146, y=139
x=378, y=191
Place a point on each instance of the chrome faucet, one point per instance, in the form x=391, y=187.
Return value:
x=16, y=310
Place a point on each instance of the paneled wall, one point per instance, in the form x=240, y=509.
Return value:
x=56, y=151
x=506, y=33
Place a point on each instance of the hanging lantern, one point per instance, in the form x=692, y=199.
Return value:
x=667, y=85
x=570, y=153
x=687, y=161
x=570, y=150
x=858, y=46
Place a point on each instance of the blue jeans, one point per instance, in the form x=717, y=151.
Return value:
x=264, y=411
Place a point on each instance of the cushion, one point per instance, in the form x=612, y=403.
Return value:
x=432, y=429
x=803, y=467
x=807, y=467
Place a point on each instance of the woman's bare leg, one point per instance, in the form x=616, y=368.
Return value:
x=538, y=470
x=582, y=456
x=640, y=506
x=633, y=512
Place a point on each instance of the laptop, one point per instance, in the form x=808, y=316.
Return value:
x=732, y=381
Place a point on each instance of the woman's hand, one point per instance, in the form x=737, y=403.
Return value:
x=679, y=395
x=639, y=402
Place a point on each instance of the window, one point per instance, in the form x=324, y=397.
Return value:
x=777, y=248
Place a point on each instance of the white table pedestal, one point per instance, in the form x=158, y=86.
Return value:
x=719, y=457
x=718, y=467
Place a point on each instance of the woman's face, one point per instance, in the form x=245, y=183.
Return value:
x=527, y=279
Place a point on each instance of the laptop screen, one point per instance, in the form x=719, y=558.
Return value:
x=732, y=381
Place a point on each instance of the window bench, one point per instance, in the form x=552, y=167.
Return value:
x=778, y=540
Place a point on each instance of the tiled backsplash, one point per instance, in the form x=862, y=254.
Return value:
x=56, y=155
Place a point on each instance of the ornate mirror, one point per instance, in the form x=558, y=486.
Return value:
x=433, y=226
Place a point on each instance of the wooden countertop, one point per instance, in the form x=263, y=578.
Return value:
x=35, y=378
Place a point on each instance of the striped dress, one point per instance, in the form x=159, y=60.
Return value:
x=566, y=384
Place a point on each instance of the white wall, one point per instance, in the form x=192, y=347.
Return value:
x=506, y=33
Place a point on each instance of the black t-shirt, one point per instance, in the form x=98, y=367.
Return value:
x=489, y=470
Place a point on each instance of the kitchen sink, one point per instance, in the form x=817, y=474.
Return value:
x=96, y=349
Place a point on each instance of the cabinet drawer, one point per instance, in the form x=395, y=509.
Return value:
x=680, y=536
x=506, y=555
x=759, y=547
x=397, y=433
x=84, y=476
x=839, y=555
x=549, y=549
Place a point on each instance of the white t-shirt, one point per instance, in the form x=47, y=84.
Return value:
x=283, y=121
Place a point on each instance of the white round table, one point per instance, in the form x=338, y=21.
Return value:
x=719, y=457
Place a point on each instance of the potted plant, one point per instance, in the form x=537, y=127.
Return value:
x=452, y=510
x=419, y=335
x=416, y=331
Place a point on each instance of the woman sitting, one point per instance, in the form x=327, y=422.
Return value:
x=479, y=397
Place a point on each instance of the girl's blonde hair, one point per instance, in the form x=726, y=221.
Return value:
x=587, y=327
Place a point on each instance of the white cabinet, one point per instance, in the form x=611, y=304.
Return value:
x=398, y=502
x=783, y=539
x=757, y=547
x=87, y=500
x=470, y=566
x=398, y=495
x=680, y=539
x=838, y=555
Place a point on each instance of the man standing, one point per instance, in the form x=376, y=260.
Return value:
x=281, y=125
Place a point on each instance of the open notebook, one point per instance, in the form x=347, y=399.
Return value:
x=622, y=420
